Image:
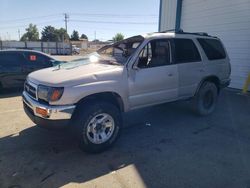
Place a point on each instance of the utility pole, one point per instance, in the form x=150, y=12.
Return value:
x=95, y=35
x=19, y=34
x=8, y=36
x=66, y=19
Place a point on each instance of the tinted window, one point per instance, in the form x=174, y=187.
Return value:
x=10, y=59
x=186, y=51
x=155, y=53
x=37, y=59
x=213, y=48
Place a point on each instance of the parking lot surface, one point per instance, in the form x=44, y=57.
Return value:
x=161, y=146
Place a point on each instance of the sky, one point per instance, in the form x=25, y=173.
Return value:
x=98, y=19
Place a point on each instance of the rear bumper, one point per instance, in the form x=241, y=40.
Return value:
x=59, y=116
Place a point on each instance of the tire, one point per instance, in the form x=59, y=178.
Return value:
x=206, y=98
x=94, y=121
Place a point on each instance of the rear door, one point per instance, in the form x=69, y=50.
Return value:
x=190, y=66
x=11, y=73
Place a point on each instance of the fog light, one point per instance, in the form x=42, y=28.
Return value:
x=42, y=112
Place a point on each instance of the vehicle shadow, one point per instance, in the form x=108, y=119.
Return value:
x=8, y=93
x=164, y=145
x=37, y=157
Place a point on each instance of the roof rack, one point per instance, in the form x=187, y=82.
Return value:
x=180, y=31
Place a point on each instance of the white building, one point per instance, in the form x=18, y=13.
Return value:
x=227, y=19
x=82, y=43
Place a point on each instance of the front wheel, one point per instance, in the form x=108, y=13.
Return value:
x=206, y=98
x=98, y=126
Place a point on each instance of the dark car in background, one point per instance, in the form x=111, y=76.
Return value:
x=15, y=65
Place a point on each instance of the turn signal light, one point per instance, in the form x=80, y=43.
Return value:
x=42, y=112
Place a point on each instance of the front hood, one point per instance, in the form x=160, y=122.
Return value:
x=68, y=75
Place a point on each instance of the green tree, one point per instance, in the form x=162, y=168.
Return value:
x=83, y=36
x=62, y=34
x=74, y=36
x=49, y=33
x=52, y=34
x=31, y=34
x=118, y=37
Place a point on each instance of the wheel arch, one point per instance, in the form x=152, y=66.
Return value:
x=212, y=78
x=111, y=97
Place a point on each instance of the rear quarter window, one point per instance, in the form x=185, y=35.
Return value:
x=37, y=59
x=185, y=51
x=213, y=48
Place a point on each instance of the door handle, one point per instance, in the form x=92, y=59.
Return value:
x=170, y=74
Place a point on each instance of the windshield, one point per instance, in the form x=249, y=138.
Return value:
x=122, y=50
x=114, y=54
x=90, y=58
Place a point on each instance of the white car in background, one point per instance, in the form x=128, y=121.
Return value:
x=75, y=49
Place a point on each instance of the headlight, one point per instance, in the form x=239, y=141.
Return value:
x=49, y=93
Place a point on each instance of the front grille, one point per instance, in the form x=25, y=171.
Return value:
x=31, y=90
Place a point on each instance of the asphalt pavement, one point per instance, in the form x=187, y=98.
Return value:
x=162, y=146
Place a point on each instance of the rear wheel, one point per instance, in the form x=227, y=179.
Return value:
x=206, y=98
x=98, y=126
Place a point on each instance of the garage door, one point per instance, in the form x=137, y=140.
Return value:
x=227, y=19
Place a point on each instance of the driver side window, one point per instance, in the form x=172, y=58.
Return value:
x=155, y=53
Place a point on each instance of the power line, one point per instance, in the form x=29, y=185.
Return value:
x=115, y=15
x=28, y=18
x=26, y=25
x=79, y=14
x=66, y=19
x=115, y=22
x=83, y=21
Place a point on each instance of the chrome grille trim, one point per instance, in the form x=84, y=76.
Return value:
x=31, y=89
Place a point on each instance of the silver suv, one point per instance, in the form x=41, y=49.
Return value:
x=88, y=95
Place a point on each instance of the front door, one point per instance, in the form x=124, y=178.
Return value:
x=153, y=79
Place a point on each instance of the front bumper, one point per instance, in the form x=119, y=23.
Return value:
x=59, y=116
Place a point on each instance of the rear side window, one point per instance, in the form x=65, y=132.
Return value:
x=37, y=59
x=186, y=51
x=10, y=59
x=212, y=48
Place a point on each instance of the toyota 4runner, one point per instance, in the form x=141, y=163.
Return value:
x=88, y=95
